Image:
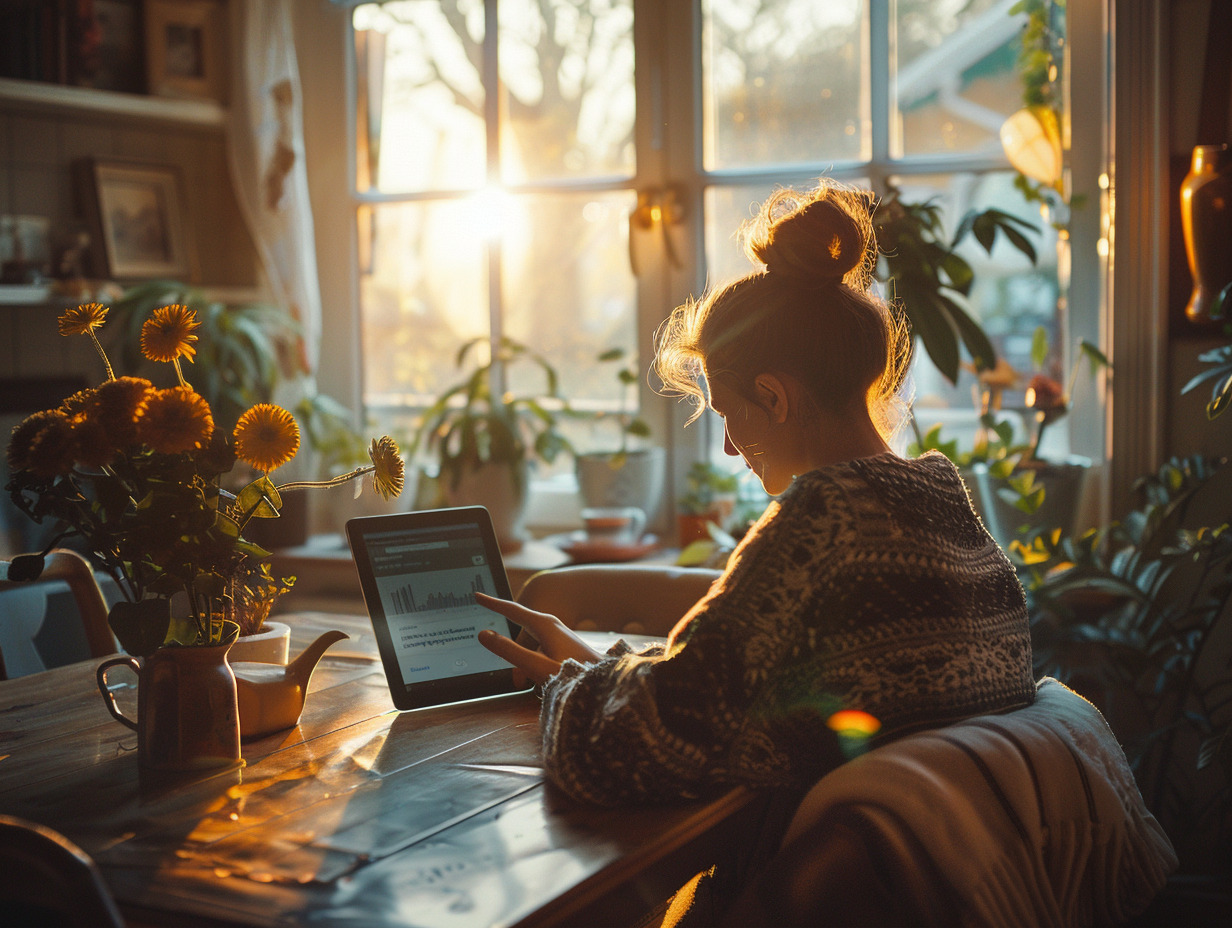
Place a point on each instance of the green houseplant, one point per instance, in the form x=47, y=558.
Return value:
x=929, y=280
x=1135, y=614
x=484, y=441
x=633, y=473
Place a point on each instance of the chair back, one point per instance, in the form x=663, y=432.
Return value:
x=24, y=610
x=45, y=879
x=1027, y=818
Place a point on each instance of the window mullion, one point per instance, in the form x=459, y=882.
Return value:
x=492, y=126
x=880, y=25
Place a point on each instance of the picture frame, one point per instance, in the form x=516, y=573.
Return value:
x=138, y=220
x=184, y=49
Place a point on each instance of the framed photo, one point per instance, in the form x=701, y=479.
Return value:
x=103, y=45
x=184, y=49
x=139, y=225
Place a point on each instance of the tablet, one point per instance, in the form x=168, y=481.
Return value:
x=419, y=572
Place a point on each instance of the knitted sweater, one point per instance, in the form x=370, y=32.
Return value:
x=869, y=585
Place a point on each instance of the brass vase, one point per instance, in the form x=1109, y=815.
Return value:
x=1206, y=220
x=187, y=709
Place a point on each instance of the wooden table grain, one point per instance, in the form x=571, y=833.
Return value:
x=360, y=815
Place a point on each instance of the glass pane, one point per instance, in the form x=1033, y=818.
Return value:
x=956, y=75
x=424, y=292
x=1010, y=297
x=420, y=95
x=784, y=82
x=569, y=292
x=567, y=72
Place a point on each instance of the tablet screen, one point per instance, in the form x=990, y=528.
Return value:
x=420, y=572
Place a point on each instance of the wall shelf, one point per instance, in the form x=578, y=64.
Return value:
x=43, y=96
x=24, y=294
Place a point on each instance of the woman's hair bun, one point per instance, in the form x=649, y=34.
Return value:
x=823, y=234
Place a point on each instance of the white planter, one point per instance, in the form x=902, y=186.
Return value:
x=1064, y=483
x=271, y=645
x=636, y=481
x=501, y=489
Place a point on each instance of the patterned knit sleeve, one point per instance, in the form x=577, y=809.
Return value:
x=642, y=727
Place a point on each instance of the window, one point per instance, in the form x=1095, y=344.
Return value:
x=504, y=150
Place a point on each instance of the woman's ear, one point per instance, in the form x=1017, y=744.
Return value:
x=773, y=396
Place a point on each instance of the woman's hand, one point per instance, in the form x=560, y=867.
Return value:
x=556, y=642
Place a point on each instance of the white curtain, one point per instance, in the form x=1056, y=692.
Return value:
x=266, y=151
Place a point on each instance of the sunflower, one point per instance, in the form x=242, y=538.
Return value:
x=387, y=475
x=21, y=440
x=52, y=448
x=175, y=419
x=82, y=319
x=115, y=405
x=168, y=334
x=266, y=437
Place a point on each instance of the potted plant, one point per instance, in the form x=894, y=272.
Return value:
x=484, y=441
x=246, y=352
x=1135, y=615
x=632, y=474
x=929, y=280
x=137, y=472
x=709, y=499
x=1013, y=487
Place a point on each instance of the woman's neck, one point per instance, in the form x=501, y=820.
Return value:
x=835, y=438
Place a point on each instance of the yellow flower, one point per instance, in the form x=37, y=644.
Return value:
x=92, y=445
x=21, y=440
x=387, y=477
x=82, y=319
x=115, y=406
x=78, y=403
x=168, y=333
x=174, y=420
x=266, y=437
x=52, y=449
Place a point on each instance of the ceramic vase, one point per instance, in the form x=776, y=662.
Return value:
x=1206, y=220
x=634, y=479
x=187, y=711
x=501, y=489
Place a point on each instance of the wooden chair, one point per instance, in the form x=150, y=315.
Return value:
x=45, y=879
x=634, y=599
x=75, y=570
x=1029, y=817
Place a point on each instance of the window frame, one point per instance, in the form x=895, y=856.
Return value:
x=669, y=145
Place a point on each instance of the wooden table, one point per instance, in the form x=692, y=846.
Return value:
x=360, y=815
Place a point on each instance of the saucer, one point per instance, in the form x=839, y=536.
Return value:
x=585, y=550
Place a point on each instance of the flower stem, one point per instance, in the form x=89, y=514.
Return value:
x=178, y=372
x=102, y=354
x=326, y=484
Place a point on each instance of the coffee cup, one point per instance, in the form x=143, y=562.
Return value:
x=617, y=525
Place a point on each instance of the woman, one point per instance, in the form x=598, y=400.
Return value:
x=870, y=583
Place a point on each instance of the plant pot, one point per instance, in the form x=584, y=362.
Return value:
x=498, y=487
x=270, y=645
x=1063, y=482
x=187, y=710
x=607, y=480
x=692, y=526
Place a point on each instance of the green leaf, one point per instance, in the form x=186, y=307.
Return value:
x=1221, y=397
x=935, y=330
x=612, y=354
x=983, y=354
x=1039, y=347
x=141, y=627
x=1096, y=358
